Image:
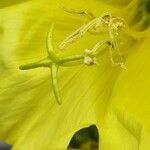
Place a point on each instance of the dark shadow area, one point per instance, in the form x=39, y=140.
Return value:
x=85, y=139
x=147, y=6
x=4, y=146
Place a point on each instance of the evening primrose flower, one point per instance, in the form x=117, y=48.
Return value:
x=100, y=77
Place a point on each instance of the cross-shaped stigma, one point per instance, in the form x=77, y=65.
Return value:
x=54, y=61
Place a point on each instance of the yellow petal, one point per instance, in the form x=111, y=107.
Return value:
x=30, y=118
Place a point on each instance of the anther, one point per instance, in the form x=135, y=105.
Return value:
x=85, y=13
x=89, y=59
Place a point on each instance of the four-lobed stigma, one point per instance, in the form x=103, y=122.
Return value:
x=89, y=56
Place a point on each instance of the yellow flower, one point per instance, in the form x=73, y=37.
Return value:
x=116, y=100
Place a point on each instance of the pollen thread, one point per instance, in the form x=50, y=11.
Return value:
x=114, y=25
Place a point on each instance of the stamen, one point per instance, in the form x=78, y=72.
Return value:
x=114, y=25
x=77, y=34
x=89, y=61
x=106, y=18
x=114, y=63
x=84, y=13
x=83, y=29
x=88, y=58
x=90, y=55
x=96, y=49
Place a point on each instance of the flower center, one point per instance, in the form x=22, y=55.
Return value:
x=114, y=26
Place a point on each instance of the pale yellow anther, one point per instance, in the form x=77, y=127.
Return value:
x=116, y=25
x=114, y=63
x=89, y=60
x=87, y=52
x=85, y=13
x=98, y=46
